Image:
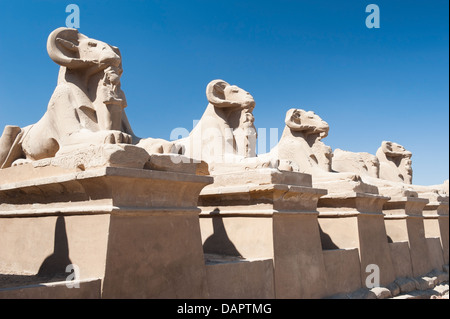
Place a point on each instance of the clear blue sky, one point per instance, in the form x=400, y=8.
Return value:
x=370, y=85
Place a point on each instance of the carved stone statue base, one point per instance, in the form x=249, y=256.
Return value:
x=135, y=230
x=404, y=223
x=356, y=221
x=267, y=214
x=436, y=224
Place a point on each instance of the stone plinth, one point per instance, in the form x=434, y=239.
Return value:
x=136, y=230
x=343, y=270
x=436, y=223
x=355, y=220
x=401, y=257
x=404, y=222
x=238, y=278
x=85, y=289
x=264, y=214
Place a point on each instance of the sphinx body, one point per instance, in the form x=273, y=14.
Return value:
x=361, y=163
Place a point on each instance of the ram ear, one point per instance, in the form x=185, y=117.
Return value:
x=215, y=93
x=62, y=47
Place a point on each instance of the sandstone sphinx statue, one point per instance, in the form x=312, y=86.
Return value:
x=225, y=136
x=301, y=147
x=395, y=162
x=390, y=170
x=87, y=108
x=301, y=143
x=396, y=166
x=372, y=167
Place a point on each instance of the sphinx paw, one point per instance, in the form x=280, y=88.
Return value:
x=117, y=137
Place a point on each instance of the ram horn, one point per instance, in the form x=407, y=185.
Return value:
x=215, y=94
x=62, y=47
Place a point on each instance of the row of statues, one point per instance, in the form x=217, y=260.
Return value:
x=88, y=108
